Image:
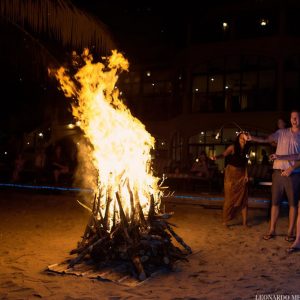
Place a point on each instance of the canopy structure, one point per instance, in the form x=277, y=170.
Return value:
x=59, y=21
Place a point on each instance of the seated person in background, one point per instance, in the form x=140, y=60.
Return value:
x=39, y=165
x=59, y=165
x=18, y=167
x=200, y=166
x=265, y=158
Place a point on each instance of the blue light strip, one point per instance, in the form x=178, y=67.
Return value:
x=55, y=188
x=44, y=187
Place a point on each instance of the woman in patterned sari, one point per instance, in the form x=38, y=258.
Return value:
x=236, y=180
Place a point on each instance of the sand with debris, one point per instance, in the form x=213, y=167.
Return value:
x=39, y=229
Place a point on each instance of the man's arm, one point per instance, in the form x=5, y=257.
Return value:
x=285, y=157
x=257, y=139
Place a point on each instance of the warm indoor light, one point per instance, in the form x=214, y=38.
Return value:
x=263, y=22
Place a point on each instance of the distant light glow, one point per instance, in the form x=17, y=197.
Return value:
x=264, y=22
x=148, y=73
x=225, y=25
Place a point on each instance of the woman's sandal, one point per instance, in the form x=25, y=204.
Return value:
x=269, y=236
x=292, y=250
x=290, y=238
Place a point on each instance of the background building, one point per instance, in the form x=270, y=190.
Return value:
x=194, y=72
x=238, y=69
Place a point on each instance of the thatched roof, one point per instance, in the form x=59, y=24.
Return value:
x=59, y=20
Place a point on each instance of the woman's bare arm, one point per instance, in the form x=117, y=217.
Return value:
x=229, y=150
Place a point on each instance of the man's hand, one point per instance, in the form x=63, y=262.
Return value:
x=273, y=156
x=287, y=172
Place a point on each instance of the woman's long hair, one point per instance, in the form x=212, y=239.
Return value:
x=237, y=147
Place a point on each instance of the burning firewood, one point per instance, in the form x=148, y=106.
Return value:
x=126, y=224
x=144, y=248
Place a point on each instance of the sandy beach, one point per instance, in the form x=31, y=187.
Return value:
x=39, y=229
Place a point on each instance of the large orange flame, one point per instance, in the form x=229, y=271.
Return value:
x=120, y=143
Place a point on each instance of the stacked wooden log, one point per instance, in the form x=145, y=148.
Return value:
x=142, y=241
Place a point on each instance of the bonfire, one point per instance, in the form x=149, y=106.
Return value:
x=127, y=224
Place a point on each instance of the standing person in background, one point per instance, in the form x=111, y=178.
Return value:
x=281, y=124
x=236, y=180
x=265, y=158
x=288, y=142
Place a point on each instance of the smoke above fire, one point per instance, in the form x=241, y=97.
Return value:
x=118, y=146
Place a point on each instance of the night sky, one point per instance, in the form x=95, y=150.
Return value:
x=137, y=28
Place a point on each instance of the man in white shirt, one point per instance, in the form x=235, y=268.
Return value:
x=286, y=174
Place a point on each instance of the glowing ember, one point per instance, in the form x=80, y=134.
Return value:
x=120, y=143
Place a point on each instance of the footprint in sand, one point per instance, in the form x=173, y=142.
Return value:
x=264, y=250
